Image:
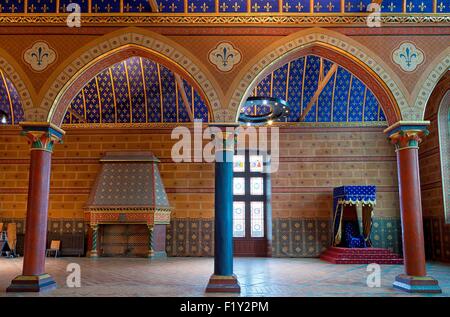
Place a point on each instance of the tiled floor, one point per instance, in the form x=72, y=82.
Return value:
x=189, y=276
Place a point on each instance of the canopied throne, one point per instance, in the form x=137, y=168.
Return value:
x=352, y=221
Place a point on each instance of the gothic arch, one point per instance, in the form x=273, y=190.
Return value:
x=331, y=45
x=429, y=81
x=116, y=47
x=20, y=81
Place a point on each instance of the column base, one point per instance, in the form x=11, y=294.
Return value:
x=32, y=283
x=223, y=284
x=92, y=254
x=157, y=255
x=417, y=284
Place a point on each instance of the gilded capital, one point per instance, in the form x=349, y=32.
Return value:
x=42, y=136
x=407, y=135
x=225, y=135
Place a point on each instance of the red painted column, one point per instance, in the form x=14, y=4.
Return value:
x=406, y=137
x=411, y=211
x=34, y=279
x=37, y=208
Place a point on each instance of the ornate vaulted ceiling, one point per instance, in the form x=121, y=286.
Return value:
x=10, y=101
x=225, y=6
x=136, y=90
x=344, y=99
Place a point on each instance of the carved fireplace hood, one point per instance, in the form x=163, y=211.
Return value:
x=128, y=189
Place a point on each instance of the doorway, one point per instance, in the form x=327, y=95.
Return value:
x=251, y=205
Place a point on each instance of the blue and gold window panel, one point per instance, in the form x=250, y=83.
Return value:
x=41, y=6
x=84, y=5
x=325, y=6
x=419, y=6
x=232, y=6
x=171, y=6
x=356, y=5
x=105, y=6
x=294, y=85
x=296, y=6
x=264, y=6
x=323, y=107
x=201, y=6
x=392, y=6
x=12, y=6
x=153, y=90
x=310, y=85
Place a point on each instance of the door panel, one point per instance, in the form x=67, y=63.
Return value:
x=250, y=206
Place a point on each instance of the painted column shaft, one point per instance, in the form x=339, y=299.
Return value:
x=37, y=208
x=411, y=211
x=223, y=236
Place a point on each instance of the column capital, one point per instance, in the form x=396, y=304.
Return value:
x=407, y=134
x=227, y=134
x=42, y=135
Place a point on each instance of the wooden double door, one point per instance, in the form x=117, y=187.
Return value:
x=124, y=240
x=251, y=205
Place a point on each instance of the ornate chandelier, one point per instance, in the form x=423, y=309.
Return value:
x=263, y=111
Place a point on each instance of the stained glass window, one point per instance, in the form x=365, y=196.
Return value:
x=257, y=219
x=239, y=163
x=239, y=219
x=256, y=163
x=256, y=186
x=239, y=186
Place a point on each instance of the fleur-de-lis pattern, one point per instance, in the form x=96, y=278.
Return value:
x=224, y=6
x=224, y=56
x=39, y=56
x=408, y=57
x=136, y=90
x=10, y=102
x=344, y=99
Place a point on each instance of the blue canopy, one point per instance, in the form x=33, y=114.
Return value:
x=355, y=194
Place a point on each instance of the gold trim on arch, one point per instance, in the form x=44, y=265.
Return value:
x=84, y=68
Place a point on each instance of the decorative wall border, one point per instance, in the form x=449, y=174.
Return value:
x=393, y=99
x=427, y=83
x=246, y=19
x=137, y=41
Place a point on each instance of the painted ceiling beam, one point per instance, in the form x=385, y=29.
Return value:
x=186, y=102
x=76, y=115
x=154, y=5
x=320, y=87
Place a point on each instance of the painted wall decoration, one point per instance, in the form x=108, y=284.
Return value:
x=225, y=56
x=344, y=100
x=136, y=90
x=39, y=56
x=225, y=6
x=408, y=57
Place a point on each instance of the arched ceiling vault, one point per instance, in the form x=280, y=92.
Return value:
x=136, y=90
x=344, y=98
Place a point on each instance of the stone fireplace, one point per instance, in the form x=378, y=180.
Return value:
x=127, y=210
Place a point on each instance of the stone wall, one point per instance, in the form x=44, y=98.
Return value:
x=312, y=162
